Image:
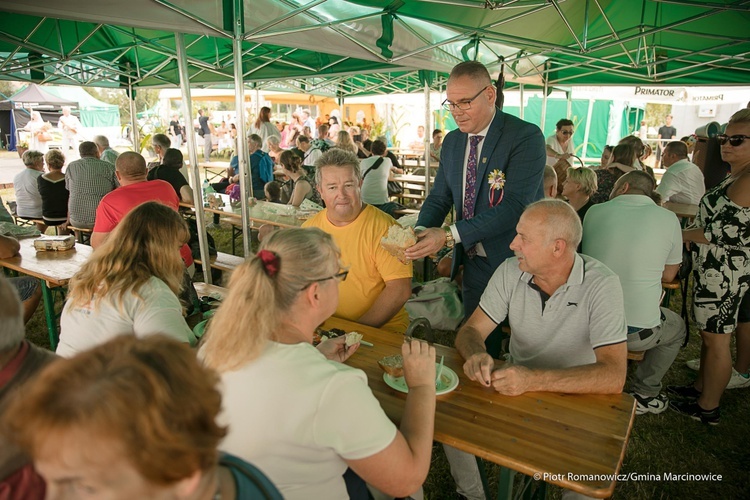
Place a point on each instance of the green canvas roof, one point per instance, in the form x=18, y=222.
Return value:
x=573, y=42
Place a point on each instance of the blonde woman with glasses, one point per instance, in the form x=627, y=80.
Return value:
x=296, y=411
x=130, y=284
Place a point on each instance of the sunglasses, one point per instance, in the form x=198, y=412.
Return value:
x=734, y=140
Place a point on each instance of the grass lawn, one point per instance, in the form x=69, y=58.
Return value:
x=659, y=444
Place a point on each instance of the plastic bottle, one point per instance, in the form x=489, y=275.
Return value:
x=206, y=188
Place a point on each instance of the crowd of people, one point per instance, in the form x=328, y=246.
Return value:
x=570, y=258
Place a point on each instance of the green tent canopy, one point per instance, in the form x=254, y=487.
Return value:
x=575, y=42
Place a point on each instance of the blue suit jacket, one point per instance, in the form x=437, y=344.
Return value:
x=512, y=146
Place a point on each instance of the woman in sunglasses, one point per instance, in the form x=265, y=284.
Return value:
x=722, y=229
x=560, y=145
x=297, y=410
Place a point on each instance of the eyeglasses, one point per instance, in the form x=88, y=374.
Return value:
x=464, y=105
x=734, y=140
x=340, y=276
x=565, y=132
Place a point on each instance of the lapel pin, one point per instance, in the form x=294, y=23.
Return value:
x=484, y=160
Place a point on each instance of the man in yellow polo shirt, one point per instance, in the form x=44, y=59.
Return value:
x=378, y=284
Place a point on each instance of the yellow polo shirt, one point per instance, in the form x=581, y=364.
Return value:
x=370, y=266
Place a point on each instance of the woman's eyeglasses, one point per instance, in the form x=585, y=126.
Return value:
x=733, y=140
x=340, y=276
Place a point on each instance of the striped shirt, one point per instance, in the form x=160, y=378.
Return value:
x=88, y=180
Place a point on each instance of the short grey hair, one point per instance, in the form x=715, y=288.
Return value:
x=272, y=139
x=561, y=222
x=255, y=139
x=161, y=140
x=336, y=157
x=31, y=157
x=11, y=317
x=101, y=141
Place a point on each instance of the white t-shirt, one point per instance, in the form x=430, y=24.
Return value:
x=297, y=416
x=28, y=199
x=311, y=156
x=157, y=310
x=375, y=185
x=557, y=148
x=635, y=238
x=682, y=183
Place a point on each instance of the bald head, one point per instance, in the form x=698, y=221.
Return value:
x=131, y=168
x=550, y=182
x=636, y=182
x=558, y=220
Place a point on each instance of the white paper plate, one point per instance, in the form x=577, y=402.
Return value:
x=448, y=382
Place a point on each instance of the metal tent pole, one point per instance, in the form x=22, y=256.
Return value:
x=134, y=120
x=520, y=109
x=187, y=114
x=246, y=188
x=427, y=134
x=544, y=104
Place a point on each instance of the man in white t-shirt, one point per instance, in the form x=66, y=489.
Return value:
x=70, y=126
x=642, y=243
x=376, y=170
x=683, y=181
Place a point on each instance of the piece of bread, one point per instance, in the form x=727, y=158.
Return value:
x=353, y=338
x=398, y=240
x=392, y=365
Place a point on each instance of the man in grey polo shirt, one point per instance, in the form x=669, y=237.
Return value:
x=642, y=243
x=565, y=310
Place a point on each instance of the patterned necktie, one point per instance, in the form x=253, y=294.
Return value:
x=470, y=197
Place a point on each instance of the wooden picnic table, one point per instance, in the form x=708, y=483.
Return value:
x=214, y=169
x=259, y=213
x=567, y=436
x=54, y=269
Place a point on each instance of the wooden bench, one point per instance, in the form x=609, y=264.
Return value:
x=224, y=261
x=669, y=287
x=83, y=235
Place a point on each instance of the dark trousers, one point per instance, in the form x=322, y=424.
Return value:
x=477, y=273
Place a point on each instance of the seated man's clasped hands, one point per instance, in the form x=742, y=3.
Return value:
x=565, y=310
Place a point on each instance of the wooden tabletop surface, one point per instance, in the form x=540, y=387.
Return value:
x=257, y=214
x=559, y=434
x=682, y=209
x=56, y=268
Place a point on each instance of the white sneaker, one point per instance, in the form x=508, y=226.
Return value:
x=654, y=404
x=694, y=364
x=738, y=380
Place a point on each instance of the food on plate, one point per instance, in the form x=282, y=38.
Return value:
x=392, y=365
x=353, y=338
x=398, y=240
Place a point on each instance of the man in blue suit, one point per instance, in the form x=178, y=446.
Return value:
x=508, y=160
x=491, y=168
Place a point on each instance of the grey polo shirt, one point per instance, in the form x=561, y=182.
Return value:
x=585, y=313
